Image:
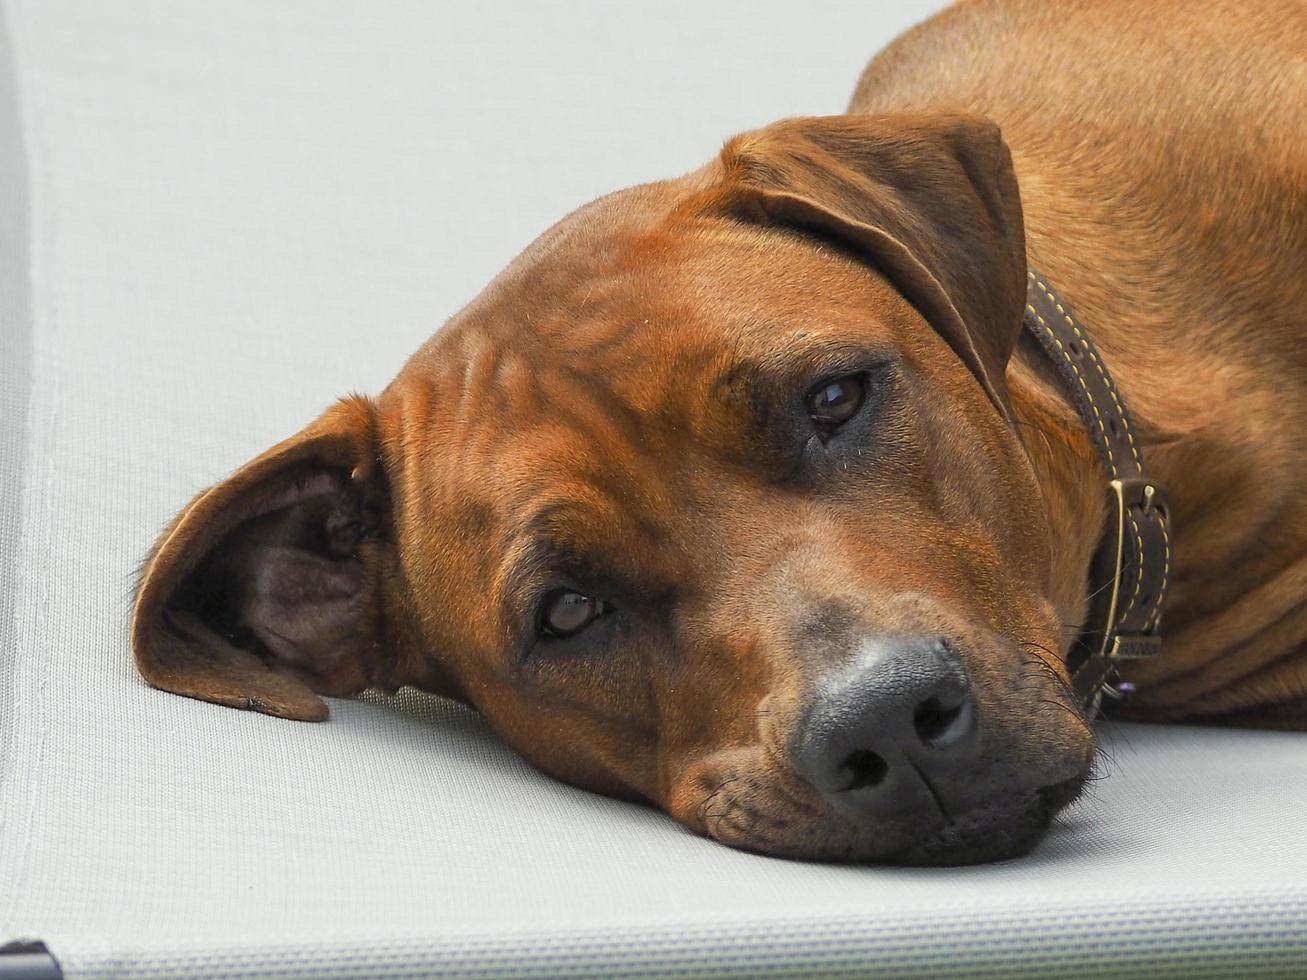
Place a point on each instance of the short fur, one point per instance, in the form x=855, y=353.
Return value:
x=620, y=413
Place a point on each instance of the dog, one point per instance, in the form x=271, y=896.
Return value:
x=747, y=493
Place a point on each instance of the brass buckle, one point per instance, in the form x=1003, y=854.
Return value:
x=1125, y=493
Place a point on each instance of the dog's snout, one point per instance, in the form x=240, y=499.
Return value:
x=890, y=734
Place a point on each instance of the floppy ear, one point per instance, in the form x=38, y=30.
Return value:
x=929, y=199
x=274, y=584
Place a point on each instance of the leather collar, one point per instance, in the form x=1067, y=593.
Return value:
x=1131, y=569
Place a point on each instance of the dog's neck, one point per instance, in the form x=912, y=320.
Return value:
x=1070, y=476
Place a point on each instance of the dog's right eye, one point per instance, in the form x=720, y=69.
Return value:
x=834, y=401
x=565, y=613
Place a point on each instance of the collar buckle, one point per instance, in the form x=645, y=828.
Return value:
x=1131, y=569
x=1118, y=642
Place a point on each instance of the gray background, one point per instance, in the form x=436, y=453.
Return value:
x=217, y=217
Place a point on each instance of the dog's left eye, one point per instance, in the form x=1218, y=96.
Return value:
x=566, y=613
x=836, y=400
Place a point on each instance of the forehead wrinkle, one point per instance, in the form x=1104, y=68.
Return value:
x=736, y=382
x=588, y=444
x=481, y=367
x=594, y=426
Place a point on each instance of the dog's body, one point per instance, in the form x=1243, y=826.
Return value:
x=744, y=493
x=1161, y=150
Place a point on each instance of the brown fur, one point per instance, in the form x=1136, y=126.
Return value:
x=616, y=413
x=1162, y=156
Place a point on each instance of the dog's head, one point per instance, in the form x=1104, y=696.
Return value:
x=711, y=499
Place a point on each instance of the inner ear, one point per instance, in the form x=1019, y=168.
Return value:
x=271, y=587
x=291, y=587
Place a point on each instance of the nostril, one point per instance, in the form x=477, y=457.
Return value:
x=936, y=724
x=864, y=768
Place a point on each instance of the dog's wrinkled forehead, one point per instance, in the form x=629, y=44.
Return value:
x=581, y=400
x=640, y=318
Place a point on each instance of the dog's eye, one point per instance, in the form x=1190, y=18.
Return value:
x=835, y=401
x=566, y=613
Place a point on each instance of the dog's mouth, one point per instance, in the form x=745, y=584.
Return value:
x=992, y=832
x=998, y=830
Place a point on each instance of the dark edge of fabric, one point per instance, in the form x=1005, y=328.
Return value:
x=15, y=367
x=28, y=960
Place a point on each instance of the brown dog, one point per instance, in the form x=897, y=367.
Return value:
x=745, y=494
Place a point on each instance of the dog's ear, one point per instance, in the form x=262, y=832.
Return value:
x=929, y=199
x=273, y=585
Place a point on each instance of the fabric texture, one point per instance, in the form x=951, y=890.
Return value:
x=215, y=219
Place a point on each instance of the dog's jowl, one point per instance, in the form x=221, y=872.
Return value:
x=761, y=493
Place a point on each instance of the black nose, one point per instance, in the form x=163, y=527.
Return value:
x=892, y=733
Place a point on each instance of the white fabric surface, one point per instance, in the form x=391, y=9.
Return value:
x=218, y=217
